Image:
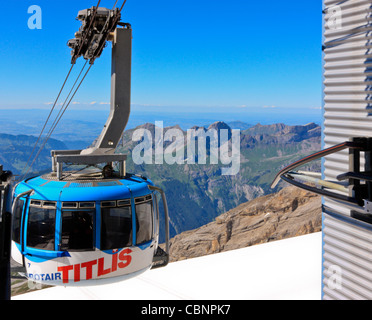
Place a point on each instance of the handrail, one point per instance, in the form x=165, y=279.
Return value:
x=315, y=156
x=289, y=176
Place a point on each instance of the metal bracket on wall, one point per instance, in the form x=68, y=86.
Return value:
x=359, y=183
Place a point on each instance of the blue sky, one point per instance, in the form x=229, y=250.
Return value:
x=197, y=55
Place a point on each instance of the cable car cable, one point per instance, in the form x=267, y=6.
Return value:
x=125, y=1
x=59, y=119
x=113, y=8
x=116, y=2
x=28, y=167
x=55, y=103
x=77, y=89
x=46, y=122
x=49, y=133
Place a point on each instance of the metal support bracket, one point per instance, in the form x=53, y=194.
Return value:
x=359, y=187
x=120, y=94
x=74, y=157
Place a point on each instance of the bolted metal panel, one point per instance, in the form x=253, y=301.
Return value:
x=347, y=107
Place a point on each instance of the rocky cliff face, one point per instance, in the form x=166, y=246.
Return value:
x=289, y=213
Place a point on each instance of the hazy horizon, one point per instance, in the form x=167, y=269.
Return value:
x=90, y=122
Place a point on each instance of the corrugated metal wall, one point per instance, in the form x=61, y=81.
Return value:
x=347, y=245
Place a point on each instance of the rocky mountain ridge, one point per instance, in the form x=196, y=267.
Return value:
x=289, y=213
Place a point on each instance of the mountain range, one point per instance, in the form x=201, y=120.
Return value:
x=197, y=193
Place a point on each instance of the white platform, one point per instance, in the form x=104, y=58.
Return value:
x=286, y=270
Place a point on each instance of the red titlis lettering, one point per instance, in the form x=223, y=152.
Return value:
x=120, y=260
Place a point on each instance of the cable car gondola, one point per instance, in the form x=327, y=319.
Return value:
x=82, y=230
x=91, y=226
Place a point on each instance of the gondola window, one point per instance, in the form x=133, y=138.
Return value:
x=41, y=228
x=144, y=213
x=77, y=230
x=116, y=227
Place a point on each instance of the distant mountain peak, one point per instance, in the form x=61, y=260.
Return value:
x=197, y=128
x=147, y=126
x=219, y=125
